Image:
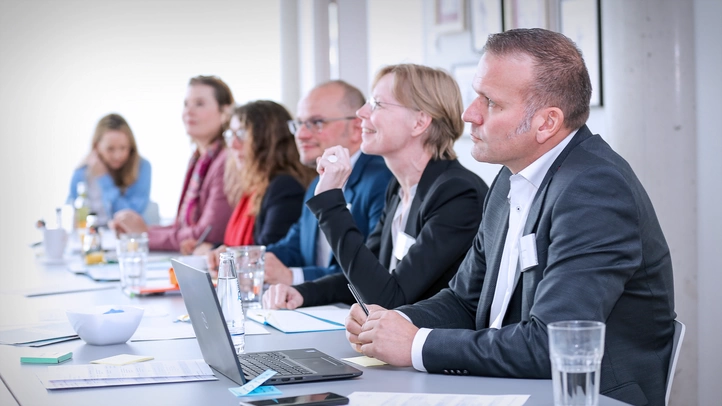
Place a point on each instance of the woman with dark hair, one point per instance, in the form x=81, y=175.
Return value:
x=273, y=179
x=206, y=112
x=114, y=174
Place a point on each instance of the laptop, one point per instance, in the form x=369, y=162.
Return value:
x=299, y=365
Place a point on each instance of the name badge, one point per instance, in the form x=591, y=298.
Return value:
x=527, y=252
x=403, y=243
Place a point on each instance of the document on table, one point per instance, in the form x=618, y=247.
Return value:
x=97, y=375
x=111, y=272
x=434, y=399
x=38, y=333
x=59, y=290
x=331, y=314
x=179, y=331
x=292, y=321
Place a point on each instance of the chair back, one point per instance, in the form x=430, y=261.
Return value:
x=677, y=339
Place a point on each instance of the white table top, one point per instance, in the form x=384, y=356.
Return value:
x=22, y=380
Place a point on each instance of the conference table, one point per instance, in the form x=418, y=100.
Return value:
x=21, y=384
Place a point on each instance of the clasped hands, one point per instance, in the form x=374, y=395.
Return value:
x=384, y=334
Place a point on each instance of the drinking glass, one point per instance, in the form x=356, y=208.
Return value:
x=250, y=260
x=576, y=348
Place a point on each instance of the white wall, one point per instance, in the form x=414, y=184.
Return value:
x=708, y=61
x=64, y=64
x=686, y=185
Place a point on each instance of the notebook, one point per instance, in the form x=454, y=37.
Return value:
x=298, y=365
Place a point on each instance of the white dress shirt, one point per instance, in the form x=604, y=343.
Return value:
x=523, y=187
x=398, y=225
x=323, y=248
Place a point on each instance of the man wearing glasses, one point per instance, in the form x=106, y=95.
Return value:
x=326, y=118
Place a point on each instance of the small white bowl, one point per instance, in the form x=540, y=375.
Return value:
x=105, y=325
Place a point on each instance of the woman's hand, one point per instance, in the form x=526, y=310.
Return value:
x=187, y=246
x=128, y=221
x=96, y=166
x=334, y=168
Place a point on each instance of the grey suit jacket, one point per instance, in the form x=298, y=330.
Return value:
x=602, y=256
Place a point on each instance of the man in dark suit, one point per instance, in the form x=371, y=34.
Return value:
x=568, y=233
x=325, y=118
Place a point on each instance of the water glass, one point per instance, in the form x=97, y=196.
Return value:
x=54, y=240
x=132, y=252
x=250, y=260
x=576, y=348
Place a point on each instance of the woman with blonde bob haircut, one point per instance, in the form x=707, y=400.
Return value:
x=114, y=174
x=433, y=206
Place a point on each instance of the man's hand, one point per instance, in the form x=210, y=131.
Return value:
x=282, y=297
x=275, y=271
x=128, y=221
x=386, y=335
x=355, y=319
x=334, y=168
x=187, y=246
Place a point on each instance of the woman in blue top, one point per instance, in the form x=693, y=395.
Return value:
x=115, y=175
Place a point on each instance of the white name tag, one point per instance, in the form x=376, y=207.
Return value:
x=403, y=243
x=527, y=252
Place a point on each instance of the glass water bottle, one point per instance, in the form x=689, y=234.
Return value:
x=230, y=299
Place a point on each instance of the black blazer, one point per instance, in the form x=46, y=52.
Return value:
x=280, y=208
x=443, y=218
x=601, y=256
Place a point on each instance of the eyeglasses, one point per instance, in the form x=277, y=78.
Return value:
x=314, y=125
x=375, y=104
x=240, y=134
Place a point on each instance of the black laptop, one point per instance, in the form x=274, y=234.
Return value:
x=299, y=365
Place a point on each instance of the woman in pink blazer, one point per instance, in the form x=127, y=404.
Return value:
x=206, y=112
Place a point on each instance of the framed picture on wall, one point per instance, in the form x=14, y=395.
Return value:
x=580, y=20
x=448, y=16
x=526, y=14
x=486, y=18
x=464, y=75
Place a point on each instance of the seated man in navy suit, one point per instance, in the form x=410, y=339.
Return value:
x=326, y=117
x=568, y=233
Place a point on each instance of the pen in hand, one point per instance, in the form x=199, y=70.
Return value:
x=358, y=299
x=203, y=236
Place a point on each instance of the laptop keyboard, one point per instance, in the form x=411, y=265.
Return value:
x=256, y=363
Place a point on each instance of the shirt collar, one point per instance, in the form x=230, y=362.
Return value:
x=536, y=171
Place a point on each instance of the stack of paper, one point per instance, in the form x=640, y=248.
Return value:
x=88, y=376
x=322, y=318
x=37, y=336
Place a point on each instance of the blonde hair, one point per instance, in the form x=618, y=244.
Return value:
x=436, y=93
x=127, y=174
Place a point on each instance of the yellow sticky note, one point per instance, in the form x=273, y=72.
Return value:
x=365, y=361
x=122, y=359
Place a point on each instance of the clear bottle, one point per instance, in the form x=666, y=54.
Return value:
x=229, y=297
x=81, y=205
